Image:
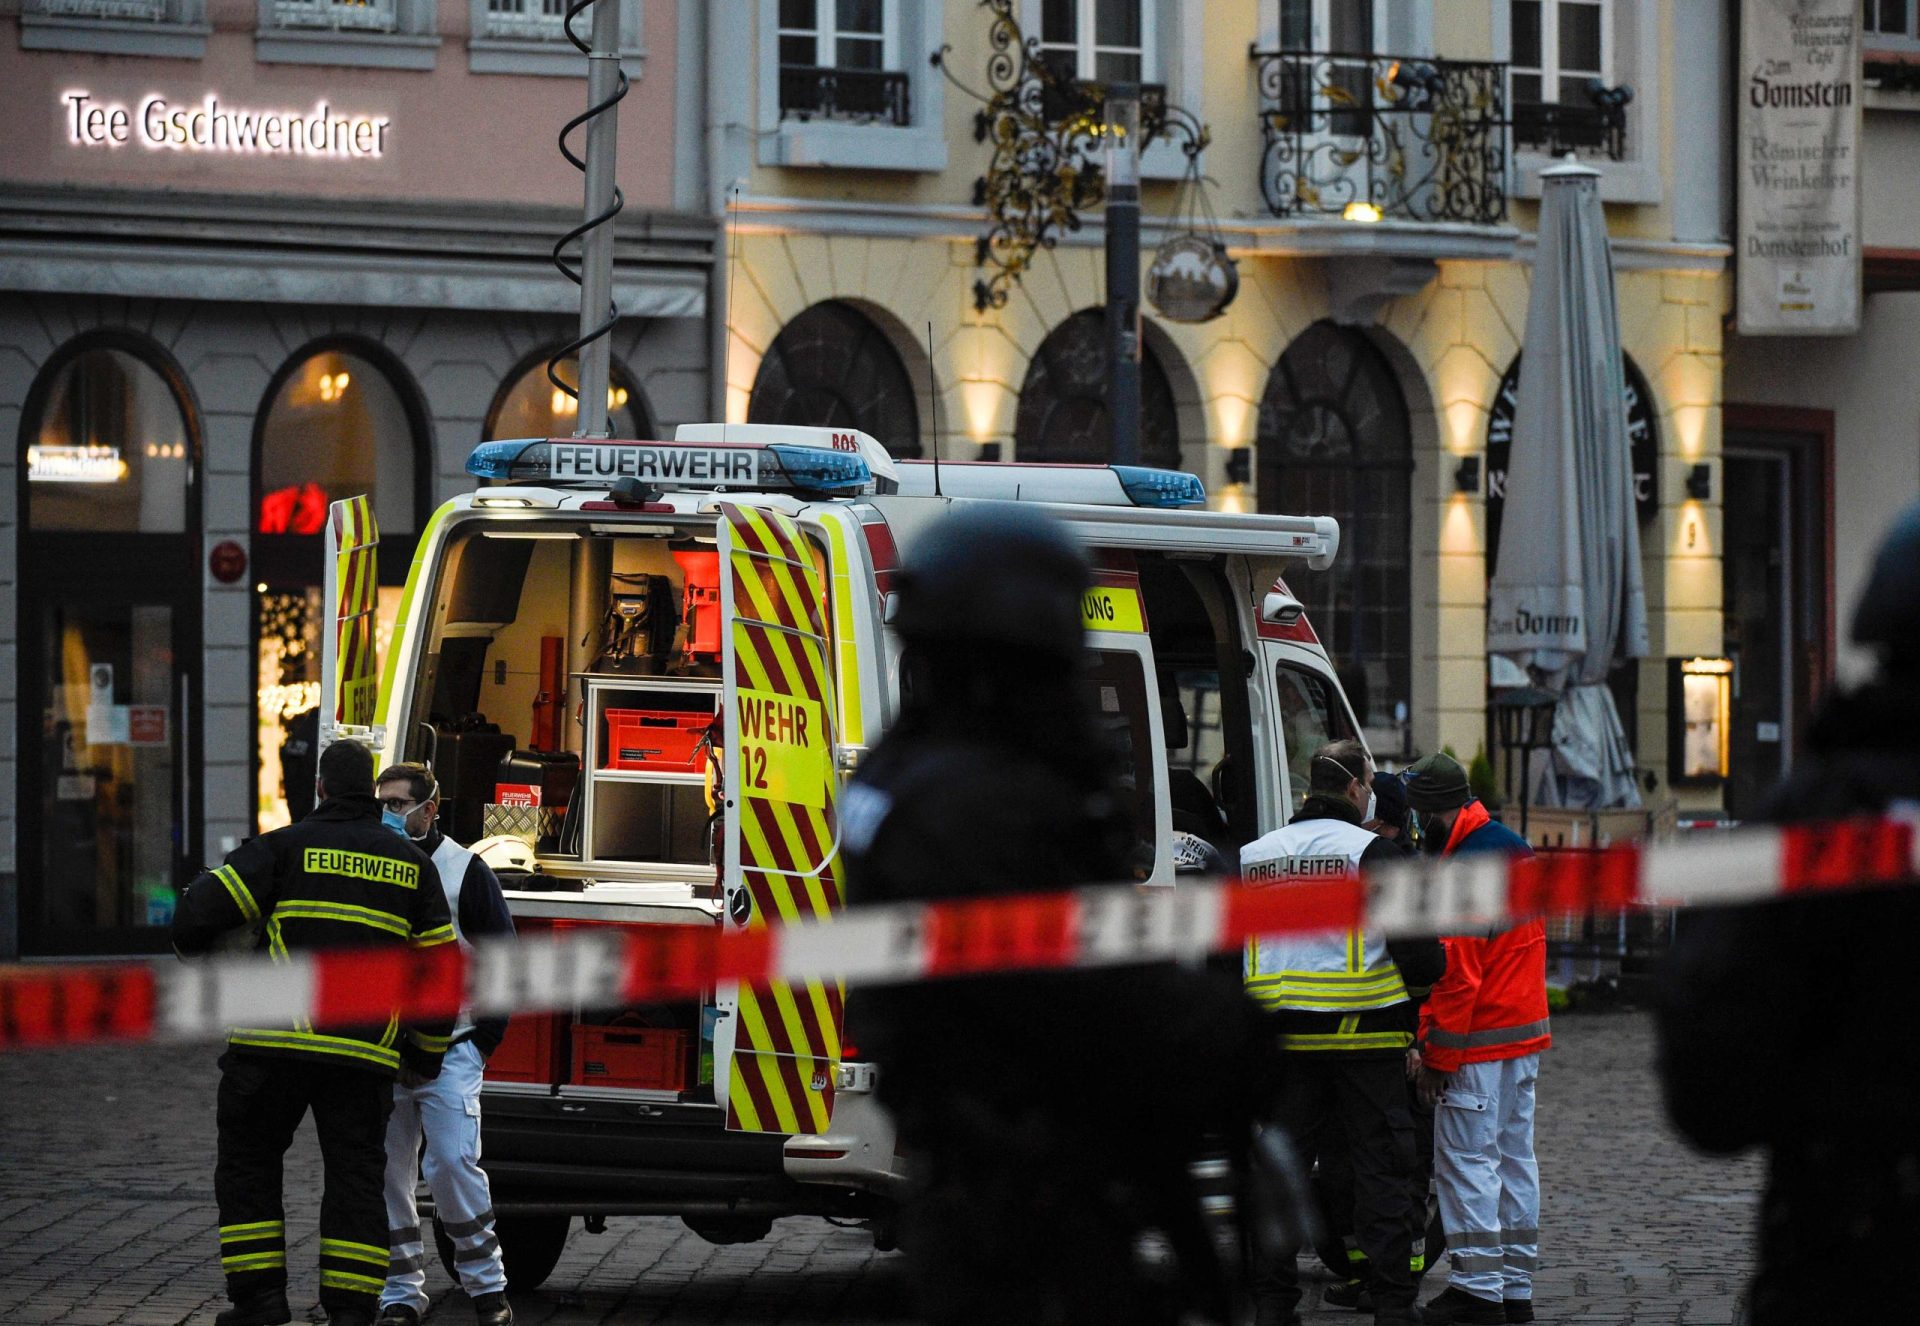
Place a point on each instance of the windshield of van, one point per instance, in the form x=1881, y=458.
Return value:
x=1311, y=715
x=1116, y=687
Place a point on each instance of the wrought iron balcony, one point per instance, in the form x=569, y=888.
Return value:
x=341, y=15
x=151, y=11
x=1419, y=139
x=863, y=96
x=1556, y=128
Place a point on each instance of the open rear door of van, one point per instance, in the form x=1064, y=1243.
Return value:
x=782, y=829
x=349, y=676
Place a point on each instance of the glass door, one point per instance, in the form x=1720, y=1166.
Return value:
x=109, y=691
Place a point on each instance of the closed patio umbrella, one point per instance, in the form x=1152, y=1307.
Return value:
x=1567, y=602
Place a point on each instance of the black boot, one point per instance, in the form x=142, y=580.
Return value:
x=398, y=1314
x=1518, y=1309
x=266, y=1308
x=1351, y=1294
x=1457, y=1305
x=492, y=1310
x=353, y=1316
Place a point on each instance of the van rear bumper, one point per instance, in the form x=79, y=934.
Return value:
x=547, y=1155
x=857, y=1150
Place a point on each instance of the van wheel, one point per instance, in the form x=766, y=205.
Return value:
x=725, y=1231
x=529, y=1244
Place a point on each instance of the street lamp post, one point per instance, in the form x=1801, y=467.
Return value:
x=1122, y=132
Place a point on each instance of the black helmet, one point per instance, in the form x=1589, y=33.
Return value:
x=995, y=574
x=1888, y=613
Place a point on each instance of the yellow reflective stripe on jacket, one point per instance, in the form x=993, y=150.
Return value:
x=1330, y=992
x=345, y=913
x=314, y=1043
x=440, y=934
x=1346, y=1040
x=431, y=1044
x=358, y=1252
x=237, y=889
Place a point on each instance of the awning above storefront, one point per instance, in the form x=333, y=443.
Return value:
x=329, y=252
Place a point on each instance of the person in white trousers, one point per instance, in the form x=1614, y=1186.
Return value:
x=444, y=1113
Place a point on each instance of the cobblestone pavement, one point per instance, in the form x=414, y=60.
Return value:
x=107, y=1216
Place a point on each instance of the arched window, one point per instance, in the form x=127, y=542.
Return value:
x=340, y=419
x=109, y=647
x=1063, y=413
x=109, y=454
x=1334, y=440
x=833, y=365
x=529, y=405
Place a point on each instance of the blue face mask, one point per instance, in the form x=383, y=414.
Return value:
x=395, y=821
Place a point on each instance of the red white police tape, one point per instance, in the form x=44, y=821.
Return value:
x=598, y=966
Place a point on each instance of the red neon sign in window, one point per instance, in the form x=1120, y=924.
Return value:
x=299, y=509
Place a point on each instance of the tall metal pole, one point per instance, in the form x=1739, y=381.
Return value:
x=1123, y=269
x=596, y=256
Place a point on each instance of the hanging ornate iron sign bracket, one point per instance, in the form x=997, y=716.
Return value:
x=1047, y=135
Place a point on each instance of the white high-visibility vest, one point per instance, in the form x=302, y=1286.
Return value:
x=1333, y=972
x=451, y=860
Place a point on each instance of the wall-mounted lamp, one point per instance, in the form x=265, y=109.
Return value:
x=1240, y=465
x=1360, y=211
x=989, y=451
x=1466, y=478
x=1700, y=482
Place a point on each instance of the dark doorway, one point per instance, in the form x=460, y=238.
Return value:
x=1776, y=585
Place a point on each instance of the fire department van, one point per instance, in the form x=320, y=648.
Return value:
x=643, y=671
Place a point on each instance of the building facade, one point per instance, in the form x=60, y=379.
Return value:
x=1823, y=432
x=1382, y=230
x=255, y=257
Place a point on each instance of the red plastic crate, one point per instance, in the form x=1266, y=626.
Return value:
x=528, y=1052
x=650, y=1057
x=658, y=740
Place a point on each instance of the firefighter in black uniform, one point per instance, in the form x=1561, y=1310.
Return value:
x=339, y=878
x=1048, y=1117
x=1785, y=1024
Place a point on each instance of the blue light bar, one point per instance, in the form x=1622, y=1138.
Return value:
x=1163, y=488
x=818, y=470
x=496, y=460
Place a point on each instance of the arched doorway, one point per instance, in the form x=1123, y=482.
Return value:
x=1063, y=413
x=1334, y=440
x=110, y=639
x=529, y=405
x=834, y=365
x=340, y=419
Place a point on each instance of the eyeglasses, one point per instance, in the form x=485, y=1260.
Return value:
x=400, y=805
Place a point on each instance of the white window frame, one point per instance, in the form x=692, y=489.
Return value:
x=1086, y=51
x=1906, y=43
x=544, y=50
x=1175, y=35
x=1549, y=67
x=176, y=29
x=826, y=35
x=392, y=34
x=913, y=32
x=1635, y=54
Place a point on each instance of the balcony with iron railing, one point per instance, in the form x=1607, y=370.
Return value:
x=854, y=96
x=528, y=20
x=337, y=15
x=1383, y=137
x=1597, y=127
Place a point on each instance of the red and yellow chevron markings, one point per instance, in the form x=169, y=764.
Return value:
x=782, y=774
x=356, y=535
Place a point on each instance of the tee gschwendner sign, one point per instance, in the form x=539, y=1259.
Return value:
x=1799, y=168
x=209, y=126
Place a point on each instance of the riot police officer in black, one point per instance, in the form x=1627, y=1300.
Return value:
x=1787, y=1025
x=1048, y=1118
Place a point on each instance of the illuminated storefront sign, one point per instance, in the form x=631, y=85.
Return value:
x=88, y=464
x=208, y=125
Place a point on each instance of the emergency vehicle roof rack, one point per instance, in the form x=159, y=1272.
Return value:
x=1092, y=485
x=1316, y=539
x=699, y=466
